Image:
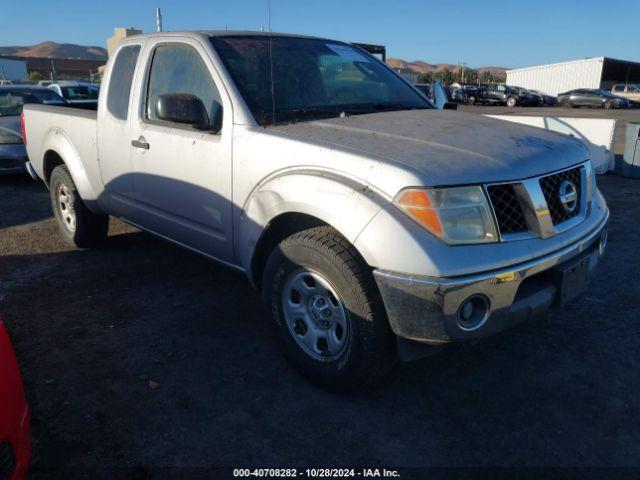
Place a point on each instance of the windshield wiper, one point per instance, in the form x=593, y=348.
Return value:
x=288, y=115
x=394, y=106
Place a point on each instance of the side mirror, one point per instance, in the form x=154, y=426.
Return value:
x=188, y=109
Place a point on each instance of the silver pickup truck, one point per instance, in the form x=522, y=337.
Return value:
x=372, y=223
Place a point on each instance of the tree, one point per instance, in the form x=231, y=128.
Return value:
x=35, y=76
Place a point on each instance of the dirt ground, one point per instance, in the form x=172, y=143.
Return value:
x=139, y=355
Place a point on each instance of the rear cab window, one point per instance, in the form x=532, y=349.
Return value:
x=120, y=81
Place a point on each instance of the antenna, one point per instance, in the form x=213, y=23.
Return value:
x=158, y=19
x=273, y=88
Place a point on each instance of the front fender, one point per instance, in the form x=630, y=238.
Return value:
x=346, y=204
x=57, y=141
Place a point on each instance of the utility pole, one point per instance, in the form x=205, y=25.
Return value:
x=158, y=19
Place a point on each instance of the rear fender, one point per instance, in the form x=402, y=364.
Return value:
x=57, y=141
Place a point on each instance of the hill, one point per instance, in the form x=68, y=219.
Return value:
x=57, y=50
x=419, y=66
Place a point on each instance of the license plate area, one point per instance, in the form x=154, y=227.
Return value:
x=572, y=278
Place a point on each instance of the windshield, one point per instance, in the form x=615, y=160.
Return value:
x=11, y=101
x=79, y=93
x=311, y=79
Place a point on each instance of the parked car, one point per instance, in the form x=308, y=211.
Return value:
x=538, y=98
x=459, y=95
x=587, y=97
x=15, y=440
x=373, y=224
x=13, y=154
x=499, y=94
x=526, y=97
x=546, y=99
x=84, y=95
x=630, y=92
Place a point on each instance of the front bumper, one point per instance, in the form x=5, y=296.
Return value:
x=426, y=309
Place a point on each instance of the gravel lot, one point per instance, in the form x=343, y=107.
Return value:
x=143, y=355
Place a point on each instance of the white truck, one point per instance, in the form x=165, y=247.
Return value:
x=374, y=225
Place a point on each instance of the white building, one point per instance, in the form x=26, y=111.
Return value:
x=555, y=78
x=13, y=70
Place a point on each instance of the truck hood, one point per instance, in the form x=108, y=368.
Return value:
x=448, y=147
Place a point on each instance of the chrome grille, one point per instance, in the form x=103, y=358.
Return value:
x=507, y=208
x=550, y=186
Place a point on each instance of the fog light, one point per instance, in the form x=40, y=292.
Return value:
x=473, y=312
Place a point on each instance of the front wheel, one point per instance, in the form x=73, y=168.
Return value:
x=77, y=224
x=328, y=312
x=608, y=105
x=511, y=102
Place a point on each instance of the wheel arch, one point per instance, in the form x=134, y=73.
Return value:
x=59, y=150
x=284, y=206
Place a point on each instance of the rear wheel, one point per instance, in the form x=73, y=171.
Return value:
x=512, y=102
x=472, y=100
x=77, y=224
x=328, y=312
x=567, y=104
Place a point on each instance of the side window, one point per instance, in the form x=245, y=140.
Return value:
x=120, y=81
x=618, y=88
x=178, y=68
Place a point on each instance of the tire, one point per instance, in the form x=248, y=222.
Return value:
x=78, y=226
x=512, y=102
x=472, y=100
x=567, y=104
x=608, y=105
x=315, y=269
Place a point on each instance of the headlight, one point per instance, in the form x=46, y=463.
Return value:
x=7, y=137
x=456, y=215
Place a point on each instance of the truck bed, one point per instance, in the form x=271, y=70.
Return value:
x=46, y=124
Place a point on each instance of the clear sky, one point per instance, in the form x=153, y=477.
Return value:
x=482, y=33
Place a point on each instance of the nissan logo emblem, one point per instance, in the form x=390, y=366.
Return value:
x=568, y=195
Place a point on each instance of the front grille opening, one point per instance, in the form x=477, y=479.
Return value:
x=551, y=189
x=535, y=284
x=507, y=208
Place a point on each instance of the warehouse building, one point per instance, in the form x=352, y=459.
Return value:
x=555, y=78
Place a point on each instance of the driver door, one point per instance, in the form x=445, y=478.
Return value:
x=182, y=175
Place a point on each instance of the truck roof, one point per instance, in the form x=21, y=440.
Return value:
x=221, y=33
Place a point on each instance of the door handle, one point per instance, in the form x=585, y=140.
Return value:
x=141, y=142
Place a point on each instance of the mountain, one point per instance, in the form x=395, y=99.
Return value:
x=57, y=50
x=419, y=66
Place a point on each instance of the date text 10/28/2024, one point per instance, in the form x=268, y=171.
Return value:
x=316, y=473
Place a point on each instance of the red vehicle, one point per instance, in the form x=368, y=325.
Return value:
x=15, y=442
